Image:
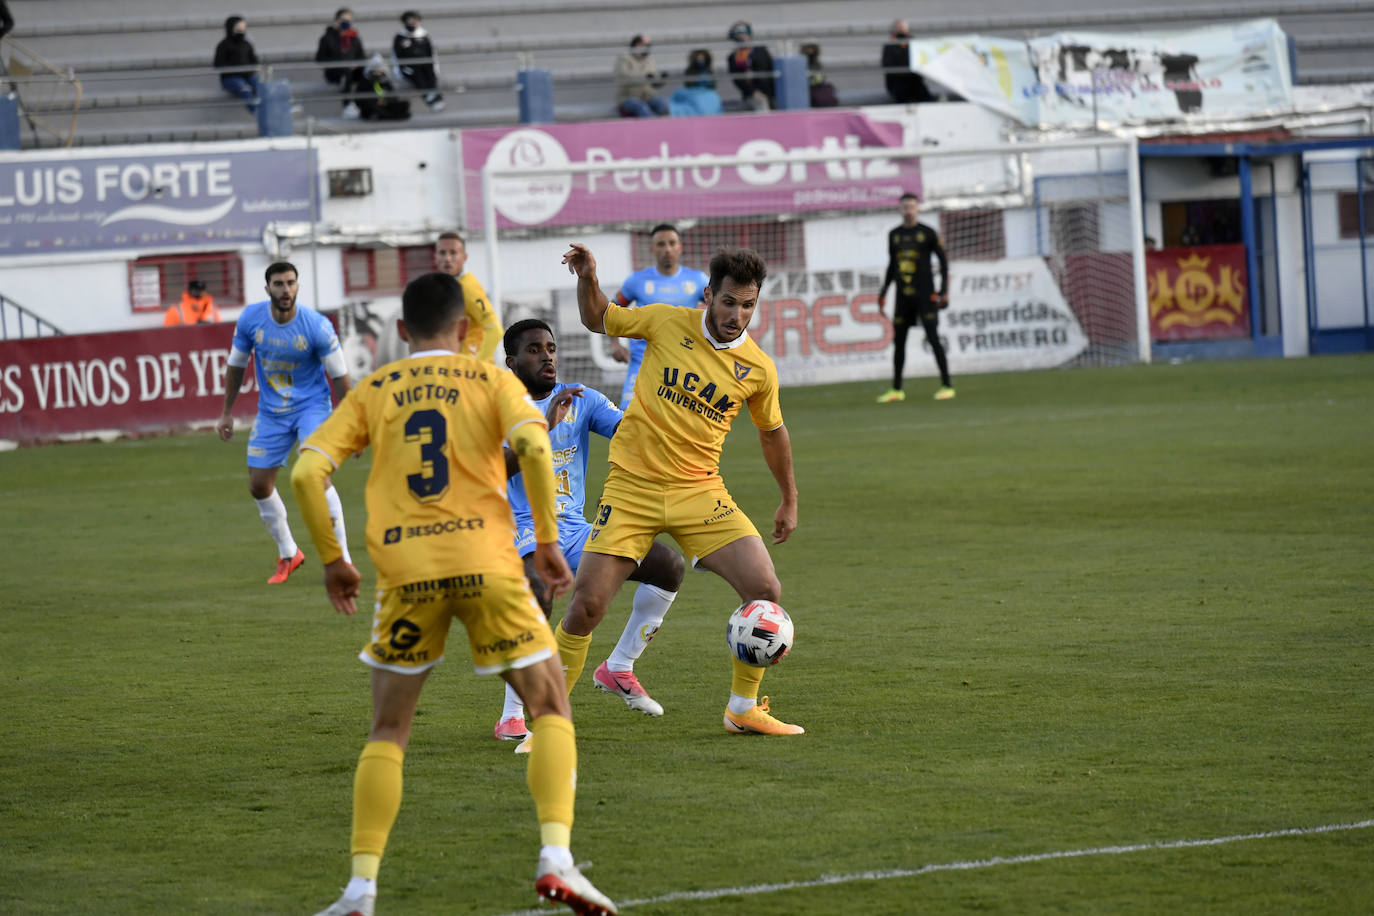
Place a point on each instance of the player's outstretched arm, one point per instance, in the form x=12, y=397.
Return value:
x=777, y=453
x=591, y=301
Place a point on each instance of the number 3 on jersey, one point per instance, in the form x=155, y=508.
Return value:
x=430, y=430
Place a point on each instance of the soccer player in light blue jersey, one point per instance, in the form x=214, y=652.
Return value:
x=667, y=281
x=574, y=412
x=294, y=347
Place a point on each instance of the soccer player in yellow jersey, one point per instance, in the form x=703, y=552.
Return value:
x=440, y=532
x=699, y=368
x=484, y=326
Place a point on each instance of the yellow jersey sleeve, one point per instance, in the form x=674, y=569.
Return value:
x=688, y=393
x=484, y=327
x=342, y=434
x=620, y=321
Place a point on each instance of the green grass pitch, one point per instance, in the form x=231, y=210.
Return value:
x=1067, y=611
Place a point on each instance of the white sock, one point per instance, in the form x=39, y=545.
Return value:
x=514, y=709
x=740, y=705
x=359, y=887
x=331, y=496
x=651, y=605
x=273, y=512
x=559, y=856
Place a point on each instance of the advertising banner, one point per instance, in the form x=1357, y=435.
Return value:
x=1198, y=293
x=1073, y=79
x=686, y=189
x=824, y=326
x=129, y=381
x=52, y=201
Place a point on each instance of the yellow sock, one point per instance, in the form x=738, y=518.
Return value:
x=366, y=866
x=376, y=800
x=552, y=776
x=745, y=680
x=572, y=650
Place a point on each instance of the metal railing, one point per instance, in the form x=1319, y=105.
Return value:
x=18, y=322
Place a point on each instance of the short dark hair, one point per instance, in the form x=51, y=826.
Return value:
x=513, y=333
x=909, y=196
x=451, y=235
x=341, y=10
x=279, y=267
x=431, y=304
x=743, y=265
x=664, y=227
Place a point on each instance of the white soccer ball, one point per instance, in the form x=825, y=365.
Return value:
x=759, y=634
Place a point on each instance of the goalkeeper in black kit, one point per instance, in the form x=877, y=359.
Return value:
x=909, y=249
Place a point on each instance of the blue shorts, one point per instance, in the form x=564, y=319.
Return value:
x=572, y=535
x=273, y=436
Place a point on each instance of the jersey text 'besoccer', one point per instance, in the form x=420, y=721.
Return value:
x=690, y=388
x=436, y=495
x=287, y=358
x=592, y=412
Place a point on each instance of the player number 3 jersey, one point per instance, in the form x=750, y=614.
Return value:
x=436, y=495
x=689, y=391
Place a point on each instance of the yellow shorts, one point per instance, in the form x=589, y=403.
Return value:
x=506, y=628
x=702, y=518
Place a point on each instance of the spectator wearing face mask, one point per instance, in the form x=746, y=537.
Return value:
x=748, y=58
x=902, y=84
x=377, y=99
x=412, y=44
x=235, y=50
x=341, y=43
x=697, y=95
x=637, y=79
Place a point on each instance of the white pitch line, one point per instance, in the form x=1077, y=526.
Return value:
x=828, y=880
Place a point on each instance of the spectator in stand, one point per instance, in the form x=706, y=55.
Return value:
x=756, y=91
x=822, y=90
x=412, y=44
x=340, y=43
x=196, y=307
x=697, y=95
x=235, y=50
x=377, y=99
x=902, y=84
x=6, y=20
x=637, y=81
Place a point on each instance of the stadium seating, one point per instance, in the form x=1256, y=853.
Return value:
x=146, y=75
